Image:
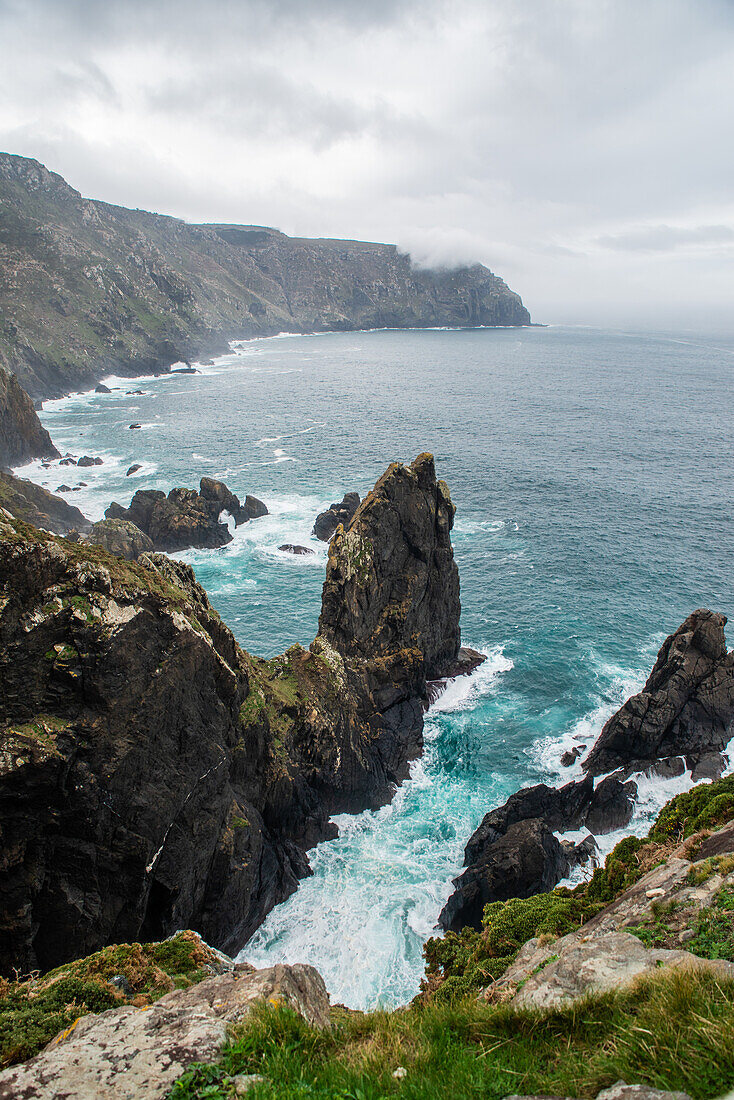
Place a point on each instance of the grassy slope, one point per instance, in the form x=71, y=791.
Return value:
x=674, y=1030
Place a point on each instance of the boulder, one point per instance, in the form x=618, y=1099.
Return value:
x=63, y=488
x=126, y=1053
x=327, y=522
x=119, y=537
x=67, y=461
x=87, y=460
x=599, y=964
x=133, y=469
x=101, y=388
x=686, y=708
x=135, y=425
x=571, y=756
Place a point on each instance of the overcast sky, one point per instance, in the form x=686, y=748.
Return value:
x=582, y=149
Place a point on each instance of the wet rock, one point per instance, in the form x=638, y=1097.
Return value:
x=134, y=425
x=611, y=806
x=67, y=461
x=571, y=756
x=87, y=460
x=669, y=768
x=178, y=521
x=63, y=489
x=710, y=765
x=134, y=393
x=119, y=537
x=292, y=548
x=327, y=522
x=129, y=1052
x=101, y=388
x=133, y=469
x=686, y=708
x=586, y=851
x=221, y=499
x=527, y=860
x=255, y=508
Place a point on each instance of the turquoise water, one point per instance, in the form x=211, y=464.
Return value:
x=591, y=474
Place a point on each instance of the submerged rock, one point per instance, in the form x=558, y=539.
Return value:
x=327, y=522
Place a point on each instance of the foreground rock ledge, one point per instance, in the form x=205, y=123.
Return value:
x=127, y=1053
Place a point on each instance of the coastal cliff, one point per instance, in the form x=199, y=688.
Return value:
x=88, y=288
x=153, y=775
x=22, y=436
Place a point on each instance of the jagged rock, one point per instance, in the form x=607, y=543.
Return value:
x=291, y=548
x=327, y=522
x=184, y=518
x=709, y=765
x=33, y=504
x=134, y=425
x=87, y=460
x=571, y=756
x=134, y=393
x=133, y=469
x=466, y=662
x=686, y=707
x=128, y=1052
x=22, y=436
x=527, y=860
x=573, y=806
x=63, y=488
x=668, y=768
x=255, y=508
x=120, y=537
x=68, y=460
x=152, y=775
x=101, y=388
x=578, y=855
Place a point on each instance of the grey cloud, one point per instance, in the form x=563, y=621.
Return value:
x=668, y=238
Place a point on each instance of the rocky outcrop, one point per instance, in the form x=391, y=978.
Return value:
x=120, y=537
x=153, y=775
x=686, y=708
x=31, y=503
x=298, y=551
x=514, y=853
x=327, y=522
x=22, y=436
x=683, y=718
x=109, y=290
x=131, y=1052
x=185, y=518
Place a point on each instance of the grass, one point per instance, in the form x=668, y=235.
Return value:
x=34, y=1009
x=673, y=1031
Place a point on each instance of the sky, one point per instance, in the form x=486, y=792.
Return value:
x=582, y=149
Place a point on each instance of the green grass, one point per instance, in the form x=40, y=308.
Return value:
x=673, y=1031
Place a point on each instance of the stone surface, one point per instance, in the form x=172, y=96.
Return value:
x=133, y=469
x=87, y=460
x=685, y=708
x=327, y=522
x=292, y=548
x=22, y=436
x=33, y=504
x=120, y=537
x=255, y=508
x=599, y=964
x=153, y=776
x=127, y=1053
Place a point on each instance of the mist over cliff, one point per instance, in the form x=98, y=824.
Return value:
x=87, y=287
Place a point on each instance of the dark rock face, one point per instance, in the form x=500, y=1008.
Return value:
x=201, y=285
x=574, y=806
x=22, y=436
x=527, y=860
x=184, y=518
x=155, y=776
x=87, y=460
x=327, y=522
x=119, y=537
x=29, y=502
x=685, y=708
x=255, y=508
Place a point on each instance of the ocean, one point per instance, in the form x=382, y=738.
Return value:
x=591, y=475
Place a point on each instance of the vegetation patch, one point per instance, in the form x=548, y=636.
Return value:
x=34, y=1009
x=673, y=1031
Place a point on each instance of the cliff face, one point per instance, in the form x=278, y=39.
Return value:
x=22, y=436
x=86, y=287
x=155, y=776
